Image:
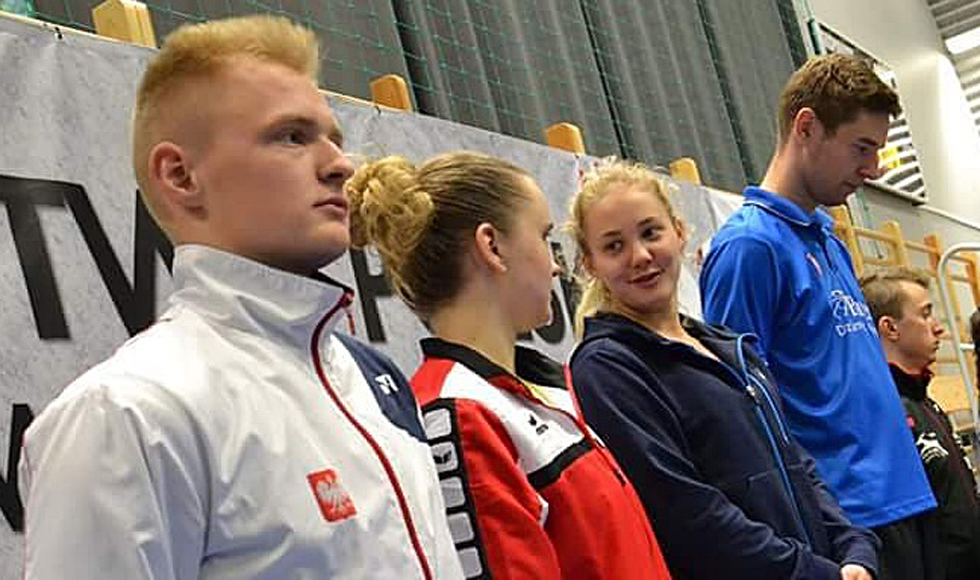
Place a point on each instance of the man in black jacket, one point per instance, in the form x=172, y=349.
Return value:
x=903, y=311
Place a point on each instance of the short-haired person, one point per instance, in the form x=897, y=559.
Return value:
x=529, y=492
x=689, y=410
x=776, y=270
x=239, y=436
x=910, y=336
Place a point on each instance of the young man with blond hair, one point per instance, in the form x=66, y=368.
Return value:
x=910, y=336
x=239, y=436
x=776, y=270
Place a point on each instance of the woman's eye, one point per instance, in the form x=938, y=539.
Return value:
x=650, y=234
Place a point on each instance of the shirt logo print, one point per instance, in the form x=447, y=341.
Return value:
x=852, y=315
x=335, y=504
x=387, y=383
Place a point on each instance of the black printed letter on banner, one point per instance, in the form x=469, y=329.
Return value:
x=135, y=303
x=10, y=504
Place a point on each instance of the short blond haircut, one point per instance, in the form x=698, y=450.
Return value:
x=883, y=290
x=596, y=183
x=200, y=51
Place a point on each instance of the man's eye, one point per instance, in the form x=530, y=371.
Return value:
x=294, y=137
x=864, y=150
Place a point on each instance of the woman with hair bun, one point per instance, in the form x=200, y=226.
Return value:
x=529, y=492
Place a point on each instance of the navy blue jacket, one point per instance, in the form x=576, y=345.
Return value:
x=729, y=493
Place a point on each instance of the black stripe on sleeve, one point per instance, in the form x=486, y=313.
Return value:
x=545, y=476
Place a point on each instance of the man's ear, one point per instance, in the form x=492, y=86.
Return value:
x=806, y=125
x=487, y=247
x=170, y=171
x=888, y=328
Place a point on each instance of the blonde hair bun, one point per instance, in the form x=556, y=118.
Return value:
x=388, y=211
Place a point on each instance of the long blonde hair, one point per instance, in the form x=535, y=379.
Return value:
x=594, y=185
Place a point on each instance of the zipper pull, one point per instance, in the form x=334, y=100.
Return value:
x=345, y=301
x=752, y=393
x=350, y=321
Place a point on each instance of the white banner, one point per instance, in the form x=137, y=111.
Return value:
x=82, y=267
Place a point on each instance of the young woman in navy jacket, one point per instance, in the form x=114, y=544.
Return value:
x=689, y=410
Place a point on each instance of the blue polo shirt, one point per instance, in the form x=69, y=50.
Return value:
x=779, y=272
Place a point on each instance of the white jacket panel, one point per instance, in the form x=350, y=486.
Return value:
x=236, y=438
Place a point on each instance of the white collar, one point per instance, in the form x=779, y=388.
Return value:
x=249, y=296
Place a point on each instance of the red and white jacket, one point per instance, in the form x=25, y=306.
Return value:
x=529, y=492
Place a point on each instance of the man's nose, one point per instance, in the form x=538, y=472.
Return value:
x=335, y=165
x=871, y=170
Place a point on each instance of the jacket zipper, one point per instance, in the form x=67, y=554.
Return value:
x=753, y=392
x=372, y=442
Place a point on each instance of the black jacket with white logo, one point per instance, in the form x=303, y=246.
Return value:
x=950, y=476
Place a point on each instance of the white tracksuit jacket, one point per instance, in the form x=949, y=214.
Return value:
x=238, y=437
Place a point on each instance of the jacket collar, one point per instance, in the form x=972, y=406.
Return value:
x=727, y=345
x=787, y=210
x=530, y=365
x=254, y=298
x=911, y=386
x=610, y=323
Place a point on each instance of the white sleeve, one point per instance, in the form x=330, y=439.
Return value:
x=110, y=489
x=447, y=560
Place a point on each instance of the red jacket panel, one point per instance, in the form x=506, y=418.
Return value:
x=529, y=492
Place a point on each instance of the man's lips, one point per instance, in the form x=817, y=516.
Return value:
x=338, y=203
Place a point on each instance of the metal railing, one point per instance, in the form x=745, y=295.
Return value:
x=959, y=346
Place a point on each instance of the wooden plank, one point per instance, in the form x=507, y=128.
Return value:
x=566, y=136
x=844, y=229
x=685, y=169
x=948, y=391
x=896, y=243
x=391, y=90
x=124, y=20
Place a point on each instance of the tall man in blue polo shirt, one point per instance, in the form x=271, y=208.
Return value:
x=775, y=269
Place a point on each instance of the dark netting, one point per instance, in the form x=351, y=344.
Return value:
x=648, y=80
